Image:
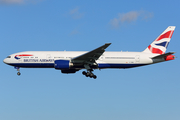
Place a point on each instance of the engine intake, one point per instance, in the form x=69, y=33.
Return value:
x=62, y=64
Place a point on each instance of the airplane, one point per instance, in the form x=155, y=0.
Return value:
x=73, y=61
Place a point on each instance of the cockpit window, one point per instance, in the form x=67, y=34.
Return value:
x=8, y=56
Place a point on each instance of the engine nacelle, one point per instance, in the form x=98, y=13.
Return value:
x=62, y=64
x=169, y=57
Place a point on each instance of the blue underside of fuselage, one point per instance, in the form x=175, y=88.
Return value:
x=51, y=65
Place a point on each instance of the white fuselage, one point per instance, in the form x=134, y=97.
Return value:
x=45, y=59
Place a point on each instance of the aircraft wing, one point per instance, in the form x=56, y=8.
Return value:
x=92, y=56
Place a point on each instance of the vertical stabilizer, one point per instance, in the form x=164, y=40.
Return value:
x=160, y=44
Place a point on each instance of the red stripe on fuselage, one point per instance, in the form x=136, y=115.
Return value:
x=23, y=55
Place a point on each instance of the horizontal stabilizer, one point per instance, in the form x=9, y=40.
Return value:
x=163, y=55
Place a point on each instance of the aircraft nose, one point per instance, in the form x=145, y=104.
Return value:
x=5, y=60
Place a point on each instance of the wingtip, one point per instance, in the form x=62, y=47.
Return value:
x=107, y=43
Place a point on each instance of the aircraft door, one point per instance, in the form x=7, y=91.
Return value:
x=48, y=56
x=101, y=57
x=20, y=60
x=48, y=59
x=137, y=58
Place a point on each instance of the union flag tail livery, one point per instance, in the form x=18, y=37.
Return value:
x=160, y=44
x=73, y=61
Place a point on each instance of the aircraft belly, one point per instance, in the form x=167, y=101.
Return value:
x=33, y=65
x=110, y=65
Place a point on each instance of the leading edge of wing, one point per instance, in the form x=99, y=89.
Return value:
x=92, y=55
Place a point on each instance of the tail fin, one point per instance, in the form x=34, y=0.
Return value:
x=160, y=44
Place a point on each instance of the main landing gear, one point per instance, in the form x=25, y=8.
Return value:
x=18, y=73
x=18, y=69
x=89, y=74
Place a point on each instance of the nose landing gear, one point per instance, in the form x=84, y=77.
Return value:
x=18, y=73
x=18, y=69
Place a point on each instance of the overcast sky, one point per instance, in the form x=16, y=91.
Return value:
x=144, y=93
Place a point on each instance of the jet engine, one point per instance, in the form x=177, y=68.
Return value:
x=62, y=64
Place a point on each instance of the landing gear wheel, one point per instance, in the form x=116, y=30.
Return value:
x=84, y=73
x=91, y=75
x=18, y=73
x=87, y=74
x=94, y=76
